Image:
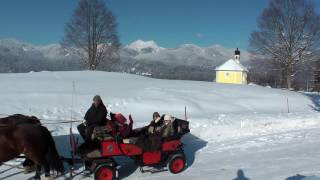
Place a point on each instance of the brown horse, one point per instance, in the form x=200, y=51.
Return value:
x=35, y=142
x=17, y=119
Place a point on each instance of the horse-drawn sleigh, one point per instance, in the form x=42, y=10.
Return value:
x=168, y=156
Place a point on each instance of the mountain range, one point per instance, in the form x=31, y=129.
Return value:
x=187, y=61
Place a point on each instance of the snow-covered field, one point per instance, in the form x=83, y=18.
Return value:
x=233, y=127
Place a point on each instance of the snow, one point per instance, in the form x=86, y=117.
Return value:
x=233, y=127
x=25, y=49
x=231, y=65
x=140, y=45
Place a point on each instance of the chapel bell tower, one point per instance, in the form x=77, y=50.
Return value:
x=237, y=55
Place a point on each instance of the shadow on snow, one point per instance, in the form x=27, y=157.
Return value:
x=241, y=175
x=315, y=98
x=302, y=177
x=192, y=144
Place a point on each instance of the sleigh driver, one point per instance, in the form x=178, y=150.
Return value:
x=95, y=116
x=96, y=124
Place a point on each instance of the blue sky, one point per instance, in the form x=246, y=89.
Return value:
x=168, y=22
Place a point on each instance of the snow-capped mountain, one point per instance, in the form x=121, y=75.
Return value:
x=144, y=46
x=187, y=61
x=16, y=48
x=53, y=51
x=187, y=54
x=16, y=56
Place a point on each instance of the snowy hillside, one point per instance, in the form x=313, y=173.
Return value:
x=233, y=127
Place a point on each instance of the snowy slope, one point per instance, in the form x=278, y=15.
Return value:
x=232, y=126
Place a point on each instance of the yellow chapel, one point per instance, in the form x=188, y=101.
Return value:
x=232, y=71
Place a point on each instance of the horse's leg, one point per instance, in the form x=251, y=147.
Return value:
x=47, y=170
x=28, y=166
x=38, y=173
x=27, y=162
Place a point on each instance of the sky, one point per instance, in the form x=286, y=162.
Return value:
x=170, y=23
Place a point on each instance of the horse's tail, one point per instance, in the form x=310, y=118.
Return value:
x=52, y=155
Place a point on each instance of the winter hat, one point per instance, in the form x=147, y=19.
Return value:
x=97, y=98
x=157, y=119
x=120, y=118
x=168, y=118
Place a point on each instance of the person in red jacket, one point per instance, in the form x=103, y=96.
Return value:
x=124, y=128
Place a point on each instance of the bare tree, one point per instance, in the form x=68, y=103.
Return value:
x=289, y=34
x=92, y=33
x=258, y=74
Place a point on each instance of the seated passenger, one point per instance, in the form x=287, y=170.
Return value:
x=163, y=126
x=154, y=126
x=95, y=116
x=169, y=126
x=161, y=129
x=156, y=131
x=124, y=128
